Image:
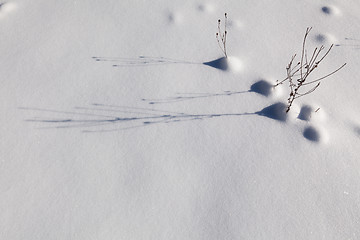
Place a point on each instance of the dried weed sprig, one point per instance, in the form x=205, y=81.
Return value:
x=221, y=36
x=303, y=69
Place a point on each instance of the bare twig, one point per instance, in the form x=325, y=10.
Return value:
x=222, y=36
x=305, y=67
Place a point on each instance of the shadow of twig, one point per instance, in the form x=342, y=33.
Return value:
x=351, y=42
x=98, y=117
x=141, y=61
x=192, y=96
x=89, y=117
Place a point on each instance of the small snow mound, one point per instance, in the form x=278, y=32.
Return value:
x=306, y=113
x=312, y=134
x=357, y=130
x=235, y=23
x=226, y=64
x=326, y=10
x=175, y=18
x=7, y=7
x=235, y=64
x=208, y=8
x=321, y=38
x=313, y=114
x=276, y=111
x=220, y=63
x=262, y=87
x=325, y=38
x=315, y=134
x=331, y=10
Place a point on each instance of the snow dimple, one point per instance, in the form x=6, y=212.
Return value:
x=312, y=134
x=331, y=10
x=325, y=38
x=276, y=111
x=305, y=113
x=175, y=18
x=357, y=130
x=320, y=38
x=226, y=64
x=220, y=63
x=262, y=87
x=207, y=8
x=6, y=7
x=326, y=10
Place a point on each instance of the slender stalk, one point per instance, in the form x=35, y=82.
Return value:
x=306, y=66
x=222, y=36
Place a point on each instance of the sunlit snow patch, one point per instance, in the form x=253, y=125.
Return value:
x=6, y=7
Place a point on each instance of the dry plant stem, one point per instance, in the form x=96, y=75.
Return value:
x=305, y=67
x=222, y=45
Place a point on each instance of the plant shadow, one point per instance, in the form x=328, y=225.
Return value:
x=180, y=97
x=220, y=63
x=353, y=43
x=109, y=118
x=261, y=87
x=143, y=61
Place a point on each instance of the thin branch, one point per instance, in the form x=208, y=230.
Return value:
x=325, y=75
x=305, y=67
x=222, y=36
x=310, y=91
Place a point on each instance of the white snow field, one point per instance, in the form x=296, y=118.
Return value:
x=122, y=120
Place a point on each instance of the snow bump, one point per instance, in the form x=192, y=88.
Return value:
x=6, y=8
x=331, y=10
x=276, y=111
x=232, y=64
x=306, y=112
x=262, y=87
x=312, y=134
x=207, y=8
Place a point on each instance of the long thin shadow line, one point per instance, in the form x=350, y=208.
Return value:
x=141, y=58
x=169, y=118
x=101, y=109
x=192, y=97
x=347, y=45
x=65, y=112
x=141, y=61
x=354, y=45
x=149, y=117
x=82, y=125
x=275, y=111
x=352, y=39
x=173, y=119
x=115, y=111
x=110, y=120
x=144, y=124
x=73, y=123
x=136, y=108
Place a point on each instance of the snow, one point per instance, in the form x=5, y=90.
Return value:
x=123, y=120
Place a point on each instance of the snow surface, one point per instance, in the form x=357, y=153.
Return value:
x=116, y=123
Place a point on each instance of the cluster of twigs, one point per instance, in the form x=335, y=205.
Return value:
x=302, y=71
x=221, y=36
